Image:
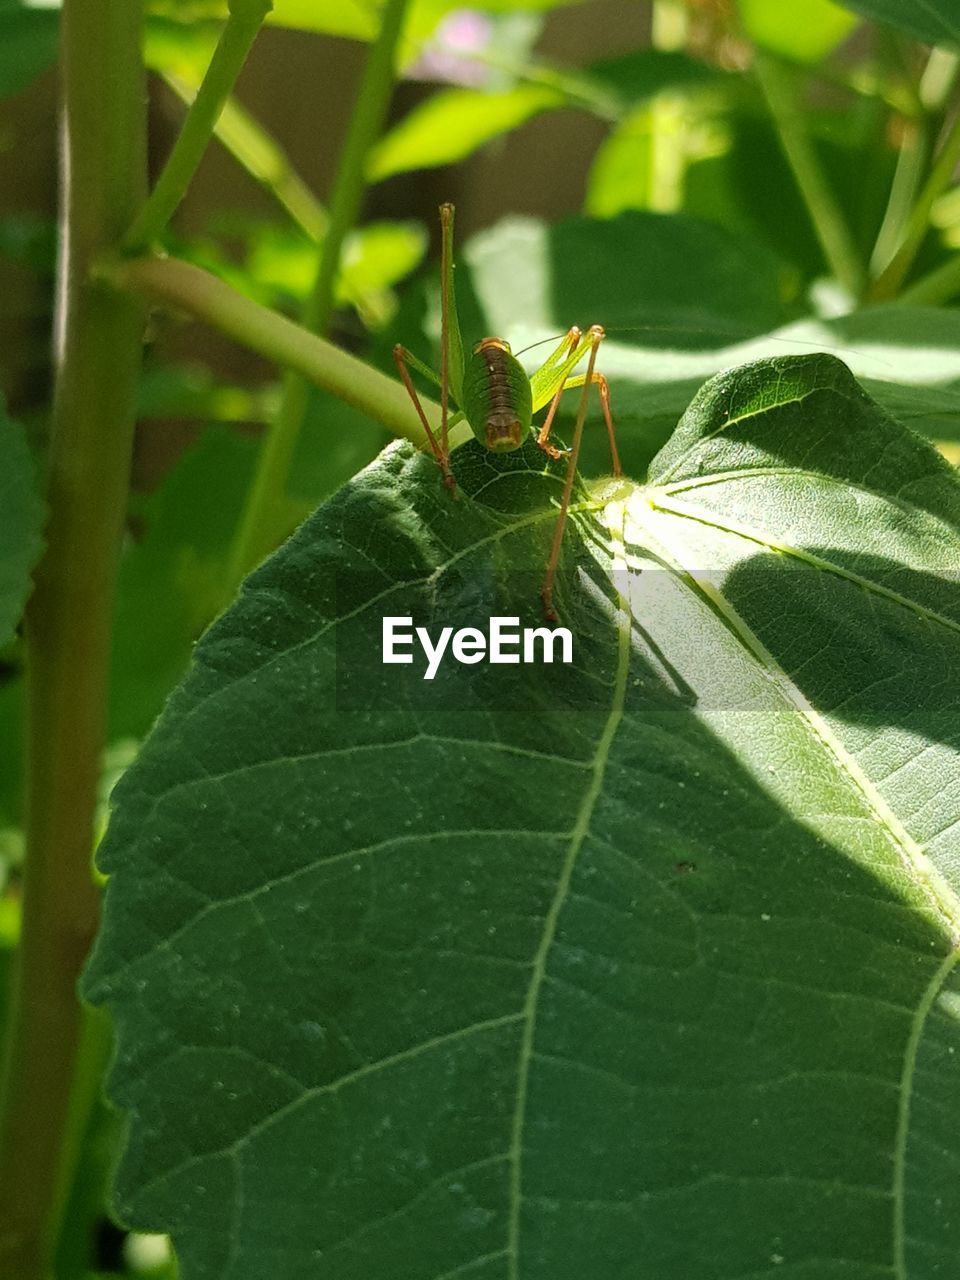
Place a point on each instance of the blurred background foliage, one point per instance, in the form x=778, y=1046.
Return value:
x=711, y=181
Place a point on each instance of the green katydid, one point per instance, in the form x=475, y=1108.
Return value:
x=491, y=391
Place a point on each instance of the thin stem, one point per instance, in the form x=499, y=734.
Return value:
x=887, y=284
x=911, y=162
x=912, y=154
x=98, y=346
x=829, y=223
x=254, y=533
x=263, y=158
x=184, y=287
x=255, y=148
x=236, y=39
x=88, y=1150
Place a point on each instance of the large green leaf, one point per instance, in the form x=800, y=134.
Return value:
x=21, y=521
x=638, y=966
x=936, y=21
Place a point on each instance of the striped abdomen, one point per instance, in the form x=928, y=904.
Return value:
x=497, y=400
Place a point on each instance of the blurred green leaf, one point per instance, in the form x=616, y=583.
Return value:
x=686, y=907
x=191, y=391
x=172, y=573
x=280, y=263
x=854, y=157
x=619, y=177
x=780, y=28
x=358, y=18
x=375, y=257
x=681, y=300
x=188, y=11
x=453, y=123
x=934, y=21
x=21, y=524
x=335, y=442
x=11, y=761
x=380, y=254
x=29, y=241
x=28, y=42
x=643, y=73
x=908, y=358
x=353, y=18
x=666, y=122
x=637, y=269
x=179, y=48
x=645, y=160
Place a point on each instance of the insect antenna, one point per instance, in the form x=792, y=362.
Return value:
x=541, y=342
x=734, y=337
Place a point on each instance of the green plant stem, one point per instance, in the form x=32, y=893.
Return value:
x=911, y=163
x=257, y=524
x=828, y=221
x=236, y=39
x=888, y=282
x=68, y=620
x=912, y=157
x=182, y=286
x=88, y=1149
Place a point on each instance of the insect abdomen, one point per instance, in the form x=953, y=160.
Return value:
x=497, y=400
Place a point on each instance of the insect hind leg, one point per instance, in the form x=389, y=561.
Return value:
x=603, y=387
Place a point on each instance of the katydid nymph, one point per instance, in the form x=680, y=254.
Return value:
x=492, y=393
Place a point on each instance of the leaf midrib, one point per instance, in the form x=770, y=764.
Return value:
x=616, y=516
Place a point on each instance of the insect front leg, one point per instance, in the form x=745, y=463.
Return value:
x=584, y=381
x=568, y=351
x=405, y=359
